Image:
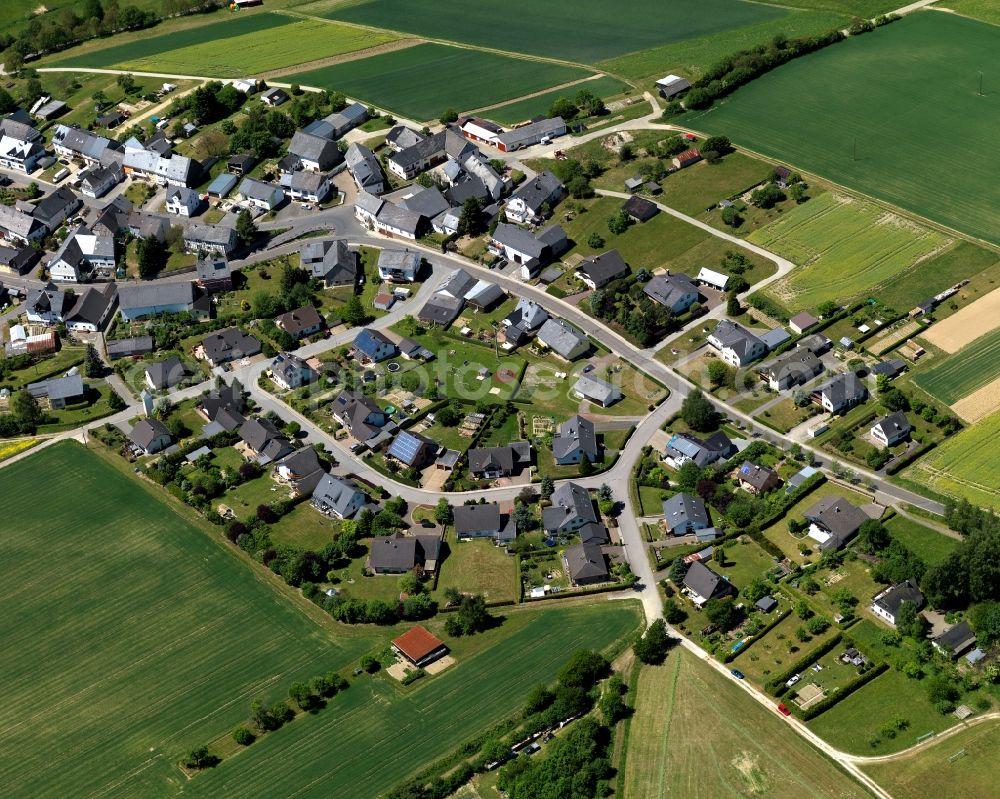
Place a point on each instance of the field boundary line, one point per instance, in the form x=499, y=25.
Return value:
x=672, y=700
x=539, y=93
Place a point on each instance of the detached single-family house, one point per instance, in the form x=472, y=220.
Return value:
x=213, y=274
x=150, y=436
x=210, y=238
x=736, y=345
x=703, y=584
x=419, y=647
x=165, y=374
x=840, y=393
x=671, y=86
x=98, y=181
x=757, y=479
x=833, y=521
x=684, y=513
x=412, y=449
x=300, y=322
x=683, y=447
x=163, y=170
x=365, y=169
x=484, y=521
x=336, y=497
x=675, y=292
x=301, y=471
x=313, y=187
x=563, y=339
x=888, y=603
x=231, y=344
x=570, y=510
x=523, y=247
x=48, y=305
x=265, y=196
x=794, y=368
x=290, y=372
x=586, y=564
x=955, y=640
x=371, y=346
x=55, y=208
x=20, y=156
x=493, y=462
x=59, y=391
x=182, y=201
x=263, y=441
x=890, y=369
x=331, y=261
x=890, y=430
x=599, y=270
x=398, y=266
x=574, y=440
x=526, y=204
x=92, y=309
x=360, y=415
x=597, y=391
x=315, y=153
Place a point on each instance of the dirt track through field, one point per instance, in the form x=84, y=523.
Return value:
x=967, y=324
x=379, y=49
x=980, y=403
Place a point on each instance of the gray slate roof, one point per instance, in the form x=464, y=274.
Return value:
x=575, y=433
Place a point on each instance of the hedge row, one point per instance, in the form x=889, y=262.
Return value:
x=776, y=685
x=910, y=457
x=731, y=656
x=843, y=693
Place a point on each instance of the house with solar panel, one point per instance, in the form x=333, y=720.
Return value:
x=371, y=346
x=412, y=449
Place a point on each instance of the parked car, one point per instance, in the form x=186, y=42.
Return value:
x=784, y=711
x=794, y=680
x=739, y=675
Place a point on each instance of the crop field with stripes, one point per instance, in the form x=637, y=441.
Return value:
x=964, y=465
x=970, y=368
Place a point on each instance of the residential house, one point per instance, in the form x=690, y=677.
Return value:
x=757, y=479
x=360, y=415
x=398, y=222
x=365, y=169
x=419, y=647
x=672, y=85
x=18, y=227
x=372, y=346
x=955, y=640
x=315, y=153
x=366, y=208
x=92, y=309
x=736, y=345
x=337, y=497
x=55, y=208
x=542, y=132
x=169, y=170
x=794, y=368
x=265, y=196
x=300, y=322
x=146, y=226
x=426, y=153
x=231, y=344
x=137, y=300
x=213, y=274
x=683, y=447
x=18, y=261
x=223, y=407
x=400, y=137
x=274, y=97
x=81, y=145
x=150, y=436
x=484, y=521
x=263, y=441
x=182, y=201
x=526, y=204
x=891, y=430
x=840, y=393
x=675, y=292
x=412, y=449
x=890, y=369
x=313, y=187
x=570, y=510
x=241, y=164
x=492, y=462
x=19, y=155
x=48, y=305
x=686, y=158
x=98, y=181
x=889, y=602
x=639, y=209
x=684, y=513
x=801, y=322
x=523, y=321
x=83, y=255
x=586, y=564
x=833, y=521
x=703, y=584
x=563, y=339
x=301, y=471
x=441, y=309
x=346, y=119
x=398, y=266
x=290, y=372
x=136, y=346
x=574, y=440
x=59, y=391
x=600, y=392
x=523, y=247
x=161, y=375
x=210, y=238
x=331, y=261
x=599, y=270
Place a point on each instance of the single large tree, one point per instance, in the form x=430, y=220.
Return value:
x=697, y=412
x=246, y=230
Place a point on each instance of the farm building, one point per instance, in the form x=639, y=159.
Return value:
x=419, y=647
x=671, y=86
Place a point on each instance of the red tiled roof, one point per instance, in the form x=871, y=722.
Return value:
x=417, y=643
x=689, y=155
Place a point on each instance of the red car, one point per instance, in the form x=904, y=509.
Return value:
x=784, y=710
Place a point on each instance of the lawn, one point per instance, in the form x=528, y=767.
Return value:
x=922, y=541
x=422, y=82
x=651, y=500
x=688, y=714
x=578, y=30
x=53, y=365
x=970, y=368
x=256, y=51
x=877, y=136
x=851, y=723
x=985, y=10
x=521, y=110
x=214, y=31
x=141, y=602
x=845, y=249
x=478, y=567
x=778, y=649
x=305, y=527
x=778, y=533
x=785, y=414
x=964, y=465
x=97, y=404
x=932, y=772
x=331, y=754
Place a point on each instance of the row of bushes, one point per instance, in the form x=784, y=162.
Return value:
x=910, y=457
x=776, y=685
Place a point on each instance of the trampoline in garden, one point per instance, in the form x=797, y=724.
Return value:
x=393, y=366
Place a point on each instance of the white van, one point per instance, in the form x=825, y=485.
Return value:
x=62, y=173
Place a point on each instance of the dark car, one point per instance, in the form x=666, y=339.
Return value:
x=739, y=675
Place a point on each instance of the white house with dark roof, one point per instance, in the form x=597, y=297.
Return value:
x=210, y=238
x=398, y=266
x=365, y=169
x=888, y=603
x=599, y=270
x=575, y=440
x=675, y=292
x=528, y=200
x=336, y=497
x=833, y=521
x=150, y=436
x=315, y=153
x=840, y=393
x=702, y=584
x=265, y=196
x=329, y=260
x=83, y=255
x=891, y=430
x=431, y=151
x=684, y=513
x=793, y=368
x=182, y=201
x=570, y=510
x=737, y=346
x=312, y=187
x=563, y=339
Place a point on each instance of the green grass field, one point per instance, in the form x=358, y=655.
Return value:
x=880, y=135
x=695, y=733
x=478, y=567
x=224, y=28
x=929, y=772
x=986, y=10
x=929, y=544
x=846, y=249
x=424, y=81
x=376, y=735
x=256, y=51
x=131, y=635
x=577, y=30
x=958, y=375
x=964, y=465
x=521, y=110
